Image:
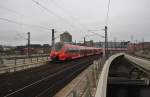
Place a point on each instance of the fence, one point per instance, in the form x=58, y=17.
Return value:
x=22, y=60
x=86, y=86
x=19, y=63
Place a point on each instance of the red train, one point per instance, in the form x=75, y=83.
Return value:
x=64, y=51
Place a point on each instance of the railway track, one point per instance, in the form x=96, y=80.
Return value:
x=142, y=57
x=43, y=80
x=126, y=78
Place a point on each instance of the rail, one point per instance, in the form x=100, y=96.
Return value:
x=93, y=81
x=145, y=56
x=139, y=63
x=140, y=56
x=48, y=85
x=88, y=81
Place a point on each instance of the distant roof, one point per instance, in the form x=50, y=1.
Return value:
x=66, y=32
x=46, y=45
x=35, y=45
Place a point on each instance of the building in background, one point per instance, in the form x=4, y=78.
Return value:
x=34, y=49
x=66, y=37
x=143, y=47
x=111, y=44
x=1, y=49
x=7, y=50
x=89, y=43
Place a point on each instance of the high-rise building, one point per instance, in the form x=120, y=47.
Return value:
x=65, y=37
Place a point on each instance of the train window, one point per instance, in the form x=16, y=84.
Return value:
x=58, y=46
x=71, y=50
x=67, y=50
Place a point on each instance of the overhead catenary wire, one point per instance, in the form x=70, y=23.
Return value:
x=21, y=23
x=53, y=13
x=107, y=13
x=46, y=9
x=18, y=36
x=21, y=15
x=67, y=13
x=98, y=34
x=12, y=11
x=60, y=8
x=15, y=12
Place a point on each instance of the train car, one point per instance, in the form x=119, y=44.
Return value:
x=64, y=51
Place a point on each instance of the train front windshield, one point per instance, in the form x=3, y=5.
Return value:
x=58, y=46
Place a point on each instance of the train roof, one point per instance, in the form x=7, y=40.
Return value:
x=71, y=45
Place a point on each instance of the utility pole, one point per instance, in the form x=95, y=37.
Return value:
x=53, y=37
x=132, y=39
x=28, y=43
x=106, y=41
x=143, y=45
x=84, y=41
x=75, y=42
x=115, y=42
x=111, y=44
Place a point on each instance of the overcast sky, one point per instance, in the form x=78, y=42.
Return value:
x=126, y=18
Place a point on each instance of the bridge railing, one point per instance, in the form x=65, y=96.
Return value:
x=102, y=84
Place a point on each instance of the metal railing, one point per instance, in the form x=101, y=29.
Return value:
x=22, y=59
x=20, y=67
x=86, y=86
x=19, y=63
x=19, y=56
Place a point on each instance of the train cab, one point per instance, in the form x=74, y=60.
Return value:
x=57, y=51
